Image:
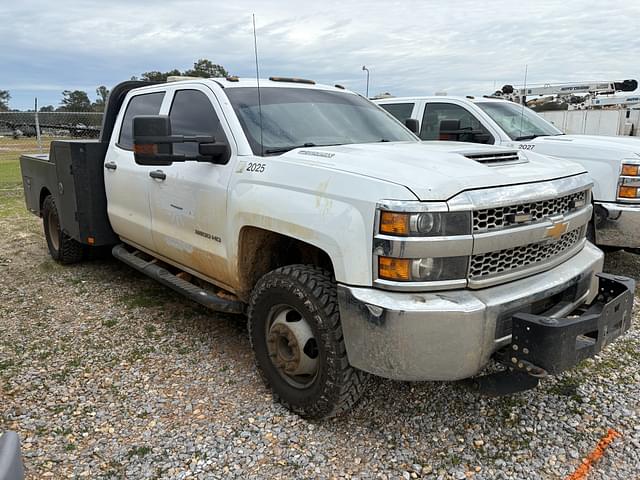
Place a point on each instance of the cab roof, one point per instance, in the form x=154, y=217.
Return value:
x=271, y=82
x=469, y=98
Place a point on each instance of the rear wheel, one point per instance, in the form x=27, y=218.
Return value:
x=294, y=326
x=62, y=247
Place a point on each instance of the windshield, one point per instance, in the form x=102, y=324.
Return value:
x=519, y=123
x=304, y=117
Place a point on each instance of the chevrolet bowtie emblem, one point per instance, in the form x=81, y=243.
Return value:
x=557, y=230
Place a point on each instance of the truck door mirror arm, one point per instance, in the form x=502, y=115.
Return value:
x=153, y=143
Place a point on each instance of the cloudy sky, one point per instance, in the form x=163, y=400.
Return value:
x=410, y=47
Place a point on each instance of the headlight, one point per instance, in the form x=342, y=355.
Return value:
x=629, y=184
x=422, y=269
x=425, y=224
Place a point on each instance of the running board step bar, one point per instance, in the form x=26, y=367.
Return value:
x=165, y=277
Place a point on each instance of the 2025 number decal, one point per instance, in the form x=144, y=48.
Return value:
x=255, y=167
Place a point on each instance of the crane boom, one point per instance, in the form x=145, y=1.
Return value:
x=599, y=88
x=596, y=94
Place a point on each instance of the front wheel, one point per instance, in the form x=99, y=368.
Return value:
x=295, y=332
x=62, y=247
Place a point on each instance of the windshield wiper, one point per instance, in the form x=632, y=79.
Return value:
x=526, y=137
x=290, y=147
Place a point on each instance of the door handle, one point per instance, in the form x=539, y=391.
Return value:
x=110, y=165
x=158, y=174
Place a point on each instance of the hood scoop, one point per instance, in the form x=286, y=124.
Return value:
x=491, y=159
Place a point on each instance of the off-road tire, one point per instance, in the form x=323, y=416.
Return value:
x=312, y=292
x=62, y=247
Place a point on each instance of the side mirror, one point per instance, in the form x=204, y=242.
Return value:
x=413, y=125
x=218, y=152
x=449, y=125
x=153, y=143
x=449, y=130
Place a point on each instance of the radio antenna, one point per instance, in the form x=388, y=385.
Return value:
x=523, y=97
x=255, y=49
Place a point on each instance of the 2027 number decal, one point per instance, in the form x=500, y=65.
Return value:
x=526, y=146
x=255, y=167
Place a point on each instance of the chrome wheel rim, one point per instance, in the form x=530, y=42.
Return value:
x=292, y=347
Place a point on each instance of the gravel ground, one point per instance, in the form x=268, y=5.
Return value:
x=105, y=374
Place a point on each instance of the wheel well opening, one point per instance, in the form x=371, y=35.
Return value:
x=261, y=251
x=44, y=193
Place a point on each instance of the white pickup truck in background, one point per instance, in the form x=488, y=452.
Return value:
x=612, y=162
x=351, y=245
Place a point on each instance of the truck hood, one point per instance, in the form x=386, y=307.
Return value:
x=589, y=146
x=433, y=170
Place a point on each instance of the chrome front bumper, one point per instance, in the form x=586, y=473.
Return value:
x=617, y=224
x=451, y=335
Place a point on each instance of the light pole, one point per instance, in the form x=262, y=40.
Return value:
x=364, y=68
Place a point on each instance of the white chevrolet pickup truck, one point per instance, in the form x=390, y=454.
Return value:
x=612, y=162
x=350, y=245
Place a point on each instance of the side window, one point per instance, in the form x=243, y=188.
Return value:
x=192, y=114
x=446, y=121
x=147, y=104
x=401, y=111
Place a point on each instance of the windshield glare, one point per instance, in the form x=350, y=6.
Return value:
x=517, y=121
x=295, y=117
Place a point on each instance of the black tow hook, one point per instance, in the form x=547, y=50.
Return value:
x=504, y=382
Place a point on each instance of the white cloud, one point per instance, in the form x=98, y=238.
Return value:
x=410, y=47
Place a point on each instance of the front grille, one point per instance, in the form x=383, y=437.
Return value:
x=503, y=217
x=495, y=158
x=500, y=261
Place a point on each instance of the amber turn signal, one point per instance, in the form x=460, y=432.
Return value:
x=630, y=170
x=628, y=192
x=394, y=223
x=398, y=269
x=145, y=148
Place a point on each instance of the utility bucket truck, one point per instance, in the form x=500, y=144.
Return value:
x=351, y=246
x=612, y=162
x=577, y=96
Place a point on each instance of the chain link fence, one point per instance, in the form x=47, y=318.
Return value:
x=50, y=124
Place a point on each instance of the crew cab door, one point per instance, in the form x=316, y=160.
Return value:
x=188, y=200
x=126, y=182
x=441, y=120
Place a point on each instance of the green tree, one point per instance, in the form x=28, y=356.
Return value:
x=4, y=100
x=202, y=68
x=47, y=108
x=103, y=93
x=75, y=101
x=207, y=69
x=155, y=76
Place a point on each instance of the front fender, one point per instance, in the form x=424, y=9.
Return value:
x=333, y=211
